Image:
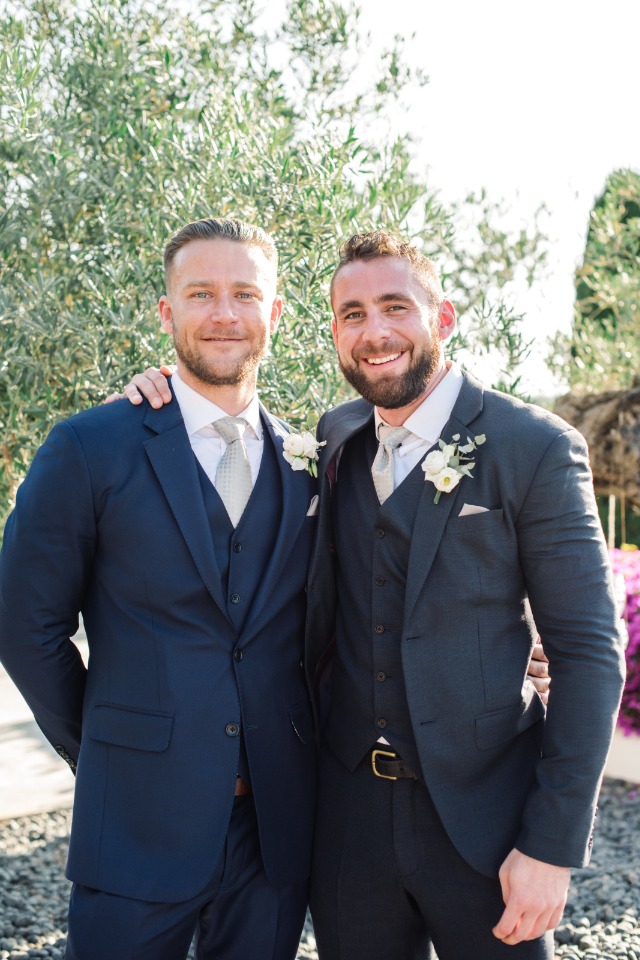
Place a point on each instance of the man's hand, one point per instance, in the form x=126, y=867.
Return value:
x=152, y=384
x=538, y=671
x=534, y=893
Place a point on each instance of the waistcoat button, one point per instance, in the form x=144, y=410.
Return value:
x=232, y=729
x=235, y=598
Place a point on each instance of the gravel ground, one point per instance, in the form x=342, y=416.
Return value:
x=601, y=922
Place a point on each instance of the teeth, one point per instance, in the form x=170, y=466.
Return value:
x=376, y=360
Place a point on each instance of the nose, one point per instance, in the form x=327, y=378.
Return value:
x=223, y=308
x=376, y=328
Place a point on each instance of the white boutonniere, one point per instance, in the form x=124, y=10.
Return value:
x=446, y=467
x=301, y=451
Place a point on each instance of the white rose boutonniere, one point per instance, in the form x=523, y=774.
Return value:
x=446, y=467
x=300, y=450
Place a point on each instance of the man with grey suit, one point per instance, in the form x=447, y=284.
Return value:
x=450, y=808
x=451, y=517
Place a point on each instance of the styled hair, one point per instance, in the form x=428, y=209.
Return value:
x=385, y=243
x=220, y=228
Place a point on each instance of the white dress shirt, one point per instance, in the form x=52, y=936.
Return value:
x=200, y=414
x=426, y=424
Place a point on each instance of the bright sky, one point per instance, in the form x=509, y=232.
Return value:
x=536, y=102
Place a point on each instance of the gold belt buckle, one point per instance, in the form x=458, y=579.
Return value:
x=382, y=753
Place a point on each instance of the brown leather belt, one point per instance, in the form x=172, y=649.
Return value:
x=242, y=787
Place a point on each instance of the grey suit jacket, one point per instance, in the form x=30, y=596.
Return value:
x=500, y=773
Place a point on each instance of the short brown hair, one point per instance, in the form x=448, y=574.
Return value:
x=220, y=228
x=385, y=243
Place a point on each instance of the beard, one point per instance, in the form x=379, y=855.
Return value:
x=220, y=372
x=397, y=390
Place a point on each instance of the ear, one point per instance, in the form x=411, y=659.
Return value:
x=446, y=320
x=166, y=317
x=276, y=313
x=334, y=331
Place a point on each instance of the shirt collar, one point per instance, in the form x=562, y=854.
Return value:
x=428, y=421
x=199, y=413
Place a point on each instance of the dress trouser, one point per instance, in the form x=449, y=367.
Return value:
x=238, y=915
x=388, y=884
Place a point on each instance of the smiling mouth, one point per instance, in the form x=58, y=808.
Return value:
x=377, y=361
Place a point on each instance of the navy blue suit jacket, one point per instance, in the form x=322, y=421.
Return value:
x=110, y=522
x=500, y=773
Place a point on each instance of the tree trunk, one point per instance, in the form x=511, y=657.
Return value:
x=610, y=423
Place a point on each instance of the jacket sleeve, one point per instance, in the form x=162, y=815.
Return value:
x=570, y=588
x=45, y=563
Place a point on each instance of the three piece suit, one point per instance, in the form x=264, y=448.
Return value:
x=437, y=612
x=195, y=634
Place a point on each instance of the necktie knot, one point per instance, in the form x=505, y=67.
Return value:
x=229, y=428
x=392, y=437
x=382, y=468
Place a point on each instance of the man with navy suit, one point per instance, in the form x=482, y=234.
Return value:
x=451, y=517
x=191, y=729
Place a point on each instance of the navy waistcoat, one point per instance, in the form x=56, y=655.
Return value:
x=372, y=544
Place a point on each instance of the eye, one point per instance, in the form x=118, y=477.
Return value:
x=353, y=316
x=201, y=295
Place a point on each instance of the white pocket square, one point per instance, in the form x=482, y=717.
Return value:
x=468, y=509
x=313, y=506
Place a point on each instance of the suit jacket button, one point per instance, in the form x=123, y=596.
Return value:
x=235, y=598
x=232, y=729
x=237, y=655
x=381, y=723
x=379, y=628
x=237, y=547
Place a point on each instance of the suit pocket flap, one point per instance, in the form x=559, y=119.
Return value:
x=130, y=728
x=302, y=721
x=500, y=726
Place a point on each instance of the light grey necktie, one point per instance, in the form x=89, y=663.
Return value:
x=233, y=476
x=382, y=466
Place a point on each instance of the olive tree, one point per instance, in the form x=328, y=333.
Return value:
x=122, y=121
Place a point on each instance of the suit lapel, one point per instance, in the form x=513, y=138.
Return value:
x=357, y=416
x=297, y=489
x=431, y=518
x=174, y=463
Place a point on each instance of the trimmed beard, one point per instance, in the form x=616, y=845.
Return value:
x=244, y=369
x=398, y=391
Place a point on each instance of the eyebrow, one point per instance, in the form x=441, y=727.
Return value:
x=384, y=298
x=239, y=284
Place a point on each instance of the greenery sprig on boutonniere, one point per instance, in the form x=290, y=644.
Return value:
x=446, y=467
x=301, y=451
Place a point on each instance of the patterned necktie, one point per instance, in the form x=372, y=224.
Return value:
x=233, y=476
x=382, y=466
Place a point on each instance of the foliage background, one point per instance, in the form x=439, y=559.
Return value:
x=121, y=122
x=602, y=352
x=627, y=563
